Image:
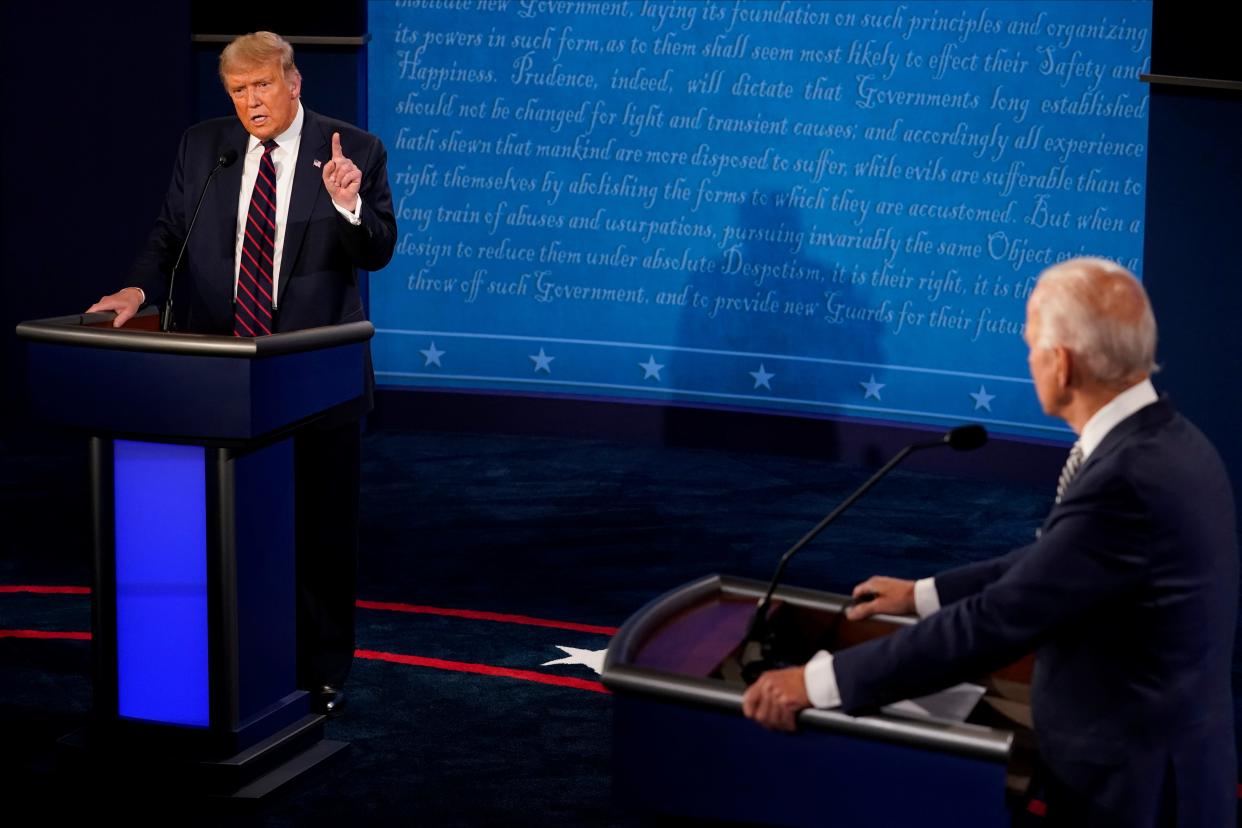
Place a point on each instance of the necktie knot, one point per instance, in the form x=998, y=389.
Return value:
x=269, y=145
x=1072, y=464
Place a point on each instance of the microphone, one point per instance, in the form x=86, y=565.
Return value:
x=225, y=159
x=962, y=438
x=966, y=438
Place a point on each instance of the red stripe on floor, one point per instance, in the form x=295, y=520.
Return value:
x=1035, y=807
x=478, y=615
x=418, y=609
x=482, y=669
x=45, y=634
x=48, y=590
x=394, y=658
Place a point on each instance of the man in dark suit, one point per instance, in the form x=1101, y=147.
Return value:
x=276, y=247
x=1128, y=596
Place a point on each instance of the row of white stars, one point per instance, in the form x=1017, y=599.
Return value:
x=763, y=377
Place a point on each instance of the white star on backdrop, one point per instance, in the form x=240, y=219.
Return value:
x=651, y=368
x=432, y=356
x=591, y=658
x=542, y=361
x=872, y=388
x=983, y=399
x=762, y=377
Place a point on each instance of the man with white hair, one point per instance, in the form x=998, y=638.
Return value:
x=1128, y=596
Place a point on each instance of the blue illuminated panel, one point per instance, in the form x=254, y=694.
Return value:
x=161, y=583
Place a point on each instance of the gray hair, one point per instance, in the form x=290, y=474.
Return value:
x=1099, y=311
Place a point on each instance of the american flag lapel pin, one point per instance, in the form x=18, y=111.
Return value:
x=318, y=163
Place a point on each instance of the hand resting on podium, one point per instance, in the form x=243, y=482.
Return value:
x=126, y=302
x=778, y=696
x=892, y=596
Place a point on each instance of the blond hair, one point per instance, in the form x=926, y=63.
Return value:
x=257, y=49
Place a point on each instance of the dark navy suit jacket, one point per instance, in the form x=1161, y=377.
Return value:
x=322, y=252
x=1129, y=600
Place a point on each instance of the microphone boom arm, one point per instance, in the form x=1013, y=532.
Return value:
x=962, y=438
x=760, y=619
x=226, y=159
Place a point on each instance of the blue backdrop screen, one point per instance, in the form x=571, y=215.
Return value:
x=825, y=208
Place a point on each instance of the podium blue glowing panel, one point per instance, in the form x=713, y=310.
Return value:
x=161, y=583
x=824, y=208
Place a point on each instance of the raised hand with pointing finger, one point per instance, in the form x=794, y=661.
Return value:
x=342, y=178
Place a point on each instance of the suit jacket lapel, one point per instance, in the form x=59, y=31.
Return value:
x=228, y=192
x=1159, y=411
x=307, y=185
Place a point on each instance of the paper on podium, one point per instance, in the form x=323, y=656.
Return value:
x=953, y=703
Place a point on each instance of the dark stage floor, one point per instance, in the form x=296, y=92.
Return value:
x=458, y=714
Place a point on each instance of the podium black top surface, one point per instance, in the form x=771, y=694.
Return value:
x=94, y=330
x=141, y=383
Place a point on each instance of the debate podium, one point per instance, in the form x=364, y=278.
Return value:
x=682, y=746
x=193, y=583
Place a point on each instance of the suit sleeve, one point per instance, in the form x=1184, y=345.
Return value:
x=955, y=584
x=154, y=263
x=370, y=243
x=1092, y=553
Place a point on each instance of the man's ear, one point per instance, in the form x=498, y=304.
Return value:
x=1065, y=367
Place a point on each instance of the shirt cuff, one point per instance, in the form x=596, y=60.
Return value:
x=926, y=598
x=141, y=293
x=821, y=681
x=354, y=218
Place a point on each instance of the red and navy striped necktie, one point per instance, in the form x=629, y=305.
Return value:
x=252, y=312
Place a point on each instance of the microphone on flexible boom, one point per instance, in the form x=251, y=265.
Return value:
x=962, y=438
x=226, y=159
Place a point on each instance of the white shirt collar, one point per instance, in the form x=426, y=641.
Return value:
x=1139, y=395
x=283, y=139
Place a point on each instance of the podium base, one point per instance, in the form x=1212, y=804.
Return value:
x=249, y=775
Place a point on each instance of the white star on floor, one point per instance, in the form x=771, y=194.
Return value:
x=762, y=377
x=872, y=388
x=432, y=356
x=542, y=361
x=651, y=368
x=591, y=658
x=983, y=399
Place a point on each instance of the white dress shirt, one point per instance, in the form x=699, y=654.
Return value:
x=821, y=677
x=284, y=159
